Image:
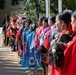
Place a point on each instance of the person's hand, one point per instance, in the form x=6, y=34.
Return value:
x=52, y=42
x=64, y=44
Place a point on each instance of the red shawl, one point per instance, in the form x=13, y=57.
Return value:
x=69, y=67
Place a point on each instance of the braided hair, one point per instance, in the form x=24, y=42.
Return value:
x=56, y=55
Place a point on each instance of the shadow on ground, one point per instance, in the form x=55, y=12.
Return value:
x=9, y=63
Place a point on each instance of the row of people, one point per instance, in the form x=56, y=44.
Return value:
x=35, y=43
x=62, y=54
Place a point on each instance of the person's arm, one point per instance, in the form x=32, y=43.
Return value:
x=64, y=44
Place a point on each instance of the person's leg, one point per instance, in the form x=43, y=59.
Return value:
x=45, y=68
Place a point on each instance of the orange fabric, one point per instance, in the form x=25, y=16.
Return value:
x=64, y=32
x=68, y=31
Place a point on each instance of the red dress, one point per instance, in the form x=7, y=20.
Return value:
x=19, y=39
x=69, y=67
x=47, y=42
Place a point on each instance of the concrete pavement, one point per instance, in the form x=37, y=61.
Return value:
x=9, y=63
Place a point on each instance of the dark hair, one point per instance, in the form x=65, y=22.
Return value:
x=29, y=21
x=65, y=16
x=74, y=15
x=45, y=20
x=52, y=19
x=41, y=18
x=23, y=18
x=56, y=55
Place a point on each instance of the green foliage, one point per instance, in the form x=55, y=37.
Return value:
x=69, y=4
x=30, y=7
x=2, y=4
x=66, y=4
x=42, y=6
x=54, y=6
x=33, y=9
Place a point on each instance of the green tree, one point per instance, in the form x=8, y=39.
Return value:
x=2, y=4
x=34, y=8
x=66, y=4
x=30, y=7
x=54, y=6
x=69, y=4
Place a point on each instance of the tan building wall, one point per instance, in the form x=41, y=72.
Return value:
x=5, y=11
x=10, y=9
x=17, y=8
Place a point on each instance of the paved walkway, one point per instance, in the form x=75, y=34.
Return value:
x=9, y=63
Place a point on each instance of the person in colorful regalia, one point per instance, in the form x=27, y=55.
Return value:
x=48, y=34
x=12, y=30
x=19, y=36
x=38, y=31
x=42, y=37
x=21, y=29
x=30, y=60
x=62, y=22
x=25, y=33
x=69, y=66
